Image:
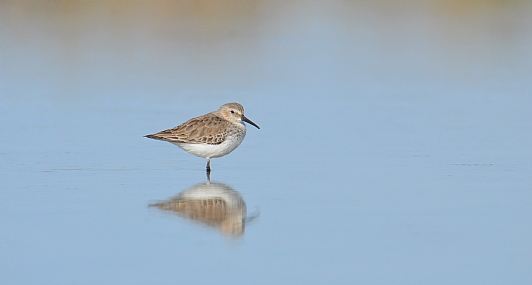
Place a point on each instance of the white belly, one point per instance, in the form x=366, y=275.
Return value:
x=213, y=150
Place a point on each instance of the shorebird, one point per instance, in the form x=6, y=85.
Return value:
x=209, y=136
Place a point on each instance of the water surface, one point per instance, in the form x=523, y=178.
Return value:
x=394, y=145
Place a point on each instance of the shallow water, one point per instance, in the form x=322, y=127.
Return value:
x=395, y=142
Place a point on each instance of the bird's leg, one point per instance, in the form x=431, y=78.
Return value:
x=208, y=169
x=208, y=165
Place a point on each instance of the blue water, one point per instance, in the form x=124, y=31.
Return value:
x=395, y=142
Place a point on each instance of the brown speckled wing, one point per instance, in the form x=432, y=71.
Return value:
x=209, y=129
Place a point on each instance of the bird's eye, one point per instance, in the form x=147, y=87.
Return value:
x=232, y=112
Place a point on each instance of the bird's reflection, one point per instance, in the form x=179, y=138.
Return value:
x=213, y=204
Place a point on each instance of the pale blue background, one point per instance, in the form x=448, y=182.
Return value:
x=395, y=143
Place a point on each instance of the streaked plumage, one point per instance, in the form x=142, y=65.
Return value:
x=209, y=136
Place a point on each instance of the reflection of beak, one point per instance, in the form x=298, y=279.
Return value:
x=249, y=121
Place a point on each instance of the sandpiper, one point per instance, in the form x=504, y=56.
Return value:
x=209, y=136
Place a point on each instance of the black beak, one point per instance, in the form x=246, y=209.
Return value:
x=249, y=122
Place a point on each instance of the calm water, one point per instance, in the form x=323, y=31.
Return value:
x=395, y=143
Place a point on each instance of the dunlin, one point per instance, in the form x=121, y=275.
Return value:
x=209, y=136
